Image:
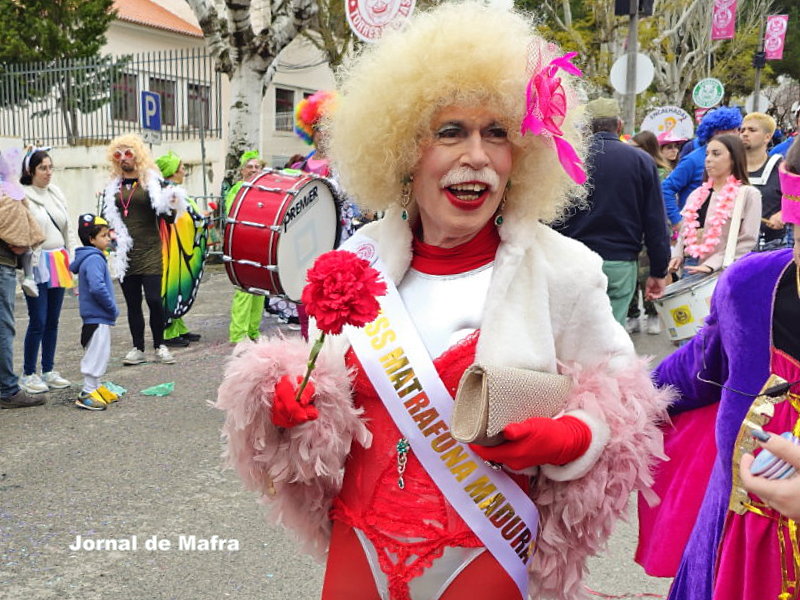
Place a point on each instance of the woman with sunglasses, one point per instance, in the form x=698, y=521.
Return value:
x=48, y=276
x=133, y=202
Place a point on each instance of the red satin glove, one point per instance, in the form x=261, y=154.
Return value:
x=539, y=441
x=288, y=412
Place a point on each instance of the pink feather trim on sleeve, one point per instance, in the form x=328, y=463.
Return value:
x=305, y=463
x=578, y=516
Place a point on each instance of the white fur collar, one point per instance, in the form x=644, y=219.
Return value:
x=163, y=199
x=547, y=301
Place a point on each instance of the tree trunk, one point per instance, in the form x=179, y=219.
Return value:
x=244, y=120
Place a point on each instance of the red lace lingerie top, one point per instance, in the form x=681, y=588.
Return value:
x=409, y=527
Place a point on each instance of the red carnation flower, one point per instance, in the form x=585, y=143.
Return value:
x=342, y=290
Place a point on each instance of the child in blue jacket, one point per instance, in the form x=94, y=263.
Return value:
x=98, y=309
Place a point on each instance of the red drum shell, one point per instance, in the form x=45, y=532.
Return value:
x=261, y=236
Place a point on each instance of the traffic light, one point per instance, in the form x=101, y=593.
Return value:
x=759, y=60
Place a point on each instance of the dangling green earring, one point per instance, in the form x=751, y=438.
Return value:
x=405, y=198
x=498, y=218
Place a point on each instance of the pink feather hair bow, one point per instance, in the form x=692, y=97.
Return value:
x=546, y=103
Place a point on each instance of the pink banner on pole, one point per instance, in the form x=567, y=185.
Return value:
x=775, y=36
x=723, y=20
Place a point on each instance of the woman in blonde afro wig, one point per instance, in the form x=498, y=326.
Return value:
x=460, y=53
x=428, y=127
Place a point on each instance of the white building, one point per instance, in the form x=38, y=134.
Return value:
x=194, y=103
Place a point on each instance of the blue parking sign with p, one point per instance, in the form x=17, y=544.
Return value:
x=151, y=111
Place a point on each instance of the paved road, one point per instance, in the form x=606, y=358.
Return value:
x=149, y=467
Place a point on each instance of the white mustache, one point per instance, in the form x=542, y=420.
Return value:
x=458, y=175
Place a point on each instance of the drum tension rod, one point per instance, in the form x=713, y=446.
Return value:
x=259, y=291
x=249, y=263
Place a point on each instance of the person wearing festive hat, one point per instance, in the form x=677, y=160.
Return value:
x=176, y=333
x=250, y=165
x=246, y=309
x=309, y=117
x=98, y=310
x=307, y=121
x=462, y=126
x=671, y=146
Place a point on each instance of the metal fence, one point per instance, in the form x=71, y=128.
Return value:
x=89, y=101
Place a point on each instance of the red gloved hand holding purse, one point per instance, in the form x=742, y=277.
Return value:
x=539, y=441
x=286, y=410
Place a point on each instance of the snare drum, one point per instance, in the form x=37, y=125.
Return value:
x=279, y=223
x=685, y=304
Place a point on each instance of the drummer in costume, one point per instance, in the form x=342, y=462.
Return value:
x=176, y=334
x=709, y=211
x=133, y=201
x=434, y=126
x=739, y=547
x=308, y=119
x=246, y=309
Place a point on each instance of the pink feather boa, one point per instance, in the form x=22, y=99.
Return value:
x=305, y=463
x=578, y=516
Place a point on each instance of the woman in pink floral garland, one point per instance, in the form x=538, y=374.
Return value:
x=707, y=214
x=462, y=127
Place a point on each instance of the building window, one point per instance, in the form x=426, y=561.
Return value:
x=198, y=97
x=166, y=89
x=124, y=93
x=284, y=109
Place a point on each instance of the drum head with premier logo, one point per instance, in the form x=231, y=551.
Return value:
x=308, y=229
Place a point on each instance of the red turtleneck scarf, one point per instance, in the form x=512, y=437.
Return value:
x=475, y=253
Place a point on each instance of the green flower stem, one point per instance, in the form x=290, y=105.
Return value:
x=312, y=362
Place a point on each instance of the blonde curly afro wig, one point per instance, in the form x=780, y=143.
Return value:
x=460, y=53
x=142, y=159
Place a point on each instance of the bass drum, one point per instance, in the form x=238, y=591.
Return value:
x=279, y=223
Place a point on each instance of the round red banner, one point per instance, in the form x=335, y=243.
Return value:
x=369, y=18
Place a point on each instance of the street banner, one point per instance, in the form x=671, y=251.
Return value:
x=369, y=18
x=699, y=113
x=669, y=119
x=723, y=20
x=775, y=36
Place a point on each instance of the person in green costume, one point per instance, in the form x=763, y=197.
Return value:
x=176, y=334
x=246, y=309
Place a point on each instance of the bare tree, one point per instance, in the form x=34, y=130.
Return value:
x=246, y=37
x=681, y=46
x=784, y=97
x=330, y=33
x=677, y=39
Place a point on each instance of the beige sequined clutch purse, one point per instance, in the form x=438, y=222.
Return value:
x=490, y=397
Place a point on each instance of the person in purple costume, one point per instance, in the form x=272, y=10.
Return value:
x=753, y=331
